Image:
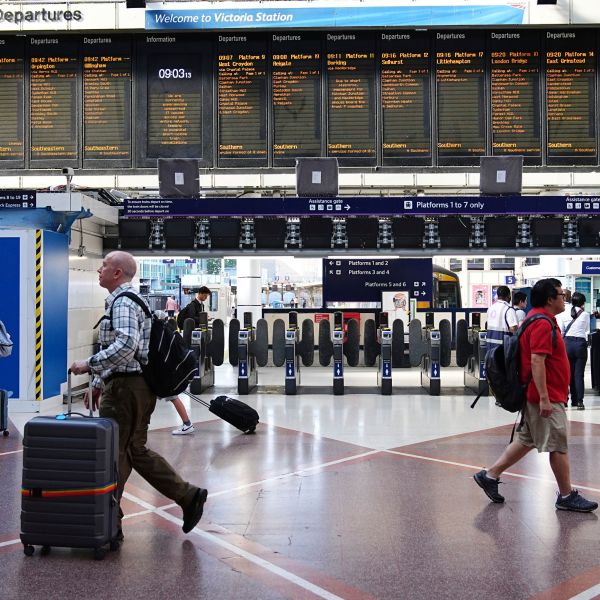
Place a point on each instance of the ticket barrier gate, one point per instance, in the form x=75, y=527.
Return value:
x=384, y=372
x=431, y=363
x=337, y=338
x=247, y=372
x=200, y=341
x=475, y=368
x=292, y=356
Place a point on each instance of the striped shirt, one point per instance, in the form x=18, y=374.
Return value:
x=125, y=345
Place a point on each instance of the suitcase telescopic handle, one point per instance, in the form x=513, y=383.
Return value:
x=70, y=394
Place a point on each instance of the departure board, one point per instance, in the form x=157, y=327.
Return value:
x=242, y=99
x=174, y=98
x=405, y=97
x=54, y=68
x=12, y=77
x=296, y=96
x=460, y=80
x=106, y=98
x=571, y=97
x=351, y=97
x=515, y=84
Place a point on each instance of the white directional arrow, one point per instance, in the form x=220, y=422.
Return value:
x=347, y=206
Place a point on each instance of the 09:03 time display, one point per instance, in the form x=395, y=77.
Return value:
x=174, y=74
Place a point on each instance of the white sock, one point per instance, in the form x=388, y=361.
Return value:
x=489, y=477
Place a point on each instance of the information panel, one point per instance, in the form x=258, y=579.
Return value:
x=106, y=99
x=174, y=98
x=12, y=77
x=460, y=79
x=351, y=98
x=363, y=280
x=54, y=68
x=515, y=83
x=405, y=97
x=296, y=96
x=571, y=97
x=242, y=100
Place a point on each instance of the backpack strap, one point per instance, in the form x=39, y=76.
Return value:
x=132, y=296
x=526, y=322
x=573, y=321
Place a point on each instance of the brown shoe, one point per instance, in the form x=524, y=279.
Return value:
x=193, y=512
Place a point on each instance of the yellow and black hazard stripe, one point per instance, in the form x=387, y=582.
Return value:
x=38, y=315
x=69, y=492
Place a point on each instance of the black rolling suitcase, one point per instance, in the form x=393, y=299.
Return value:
x=69, y=492
x=235, y=412
x=4, y=412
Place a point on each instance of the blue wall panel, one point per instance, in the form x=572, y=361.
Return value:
x=55, y=311
x=10, y=277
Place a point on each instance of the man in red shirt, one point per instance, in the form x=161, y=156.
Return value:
x=545, y=368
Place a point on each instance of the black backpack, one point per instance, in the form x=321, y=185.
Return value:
x=171, y=364
x=502, y=366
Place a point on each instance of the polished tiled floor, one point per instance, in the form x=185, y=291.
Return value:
x=355, y=496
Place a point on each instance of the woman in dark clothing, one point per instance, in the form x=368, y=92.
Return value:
x=576, y=333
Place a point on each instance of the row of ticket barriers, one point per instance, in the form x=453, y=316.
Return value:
x=385, y=345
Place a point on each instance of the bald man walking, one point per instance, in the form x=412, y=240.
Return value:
x=124, y=393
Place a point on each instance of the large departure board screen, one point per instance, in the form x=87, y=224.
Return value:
x=351, y=98
x=261, y=99
x=571, y=97
x=405, y=97
x=515, y=83
x=54, y=75
x=107, y=99
x=296, y=96
x=12, y=77
x=242, y=100
x=174, y=98
x=461, y=97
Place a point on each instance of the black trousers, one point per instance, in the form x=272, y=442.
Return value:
x=577, y=353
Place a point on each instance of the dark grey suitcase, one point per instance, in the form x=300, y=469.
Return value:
x=69, y=491
x=4, y=412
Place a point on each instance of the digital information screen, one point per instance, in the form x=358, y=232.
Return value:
x=12, y=78
x=461, y=98
x=405, y=97
x=296, y=97
x=106, y=98
x=54, y=68
x=351, y=97
x=515, y=83
x=571, y=97
x=242, y=99
x=174, y=99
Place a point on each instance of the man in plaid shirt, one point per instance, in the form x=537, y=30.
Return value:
x=121, y=392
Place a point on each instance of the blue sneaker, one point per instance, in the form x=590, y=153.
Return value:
x=575, y=502
x=489, y=486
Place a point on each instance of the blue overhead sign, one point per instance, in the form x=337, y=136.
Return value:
x=363, y=280
x=363, y=205
x=590, y=268
x=17, y=199
x=282, y=16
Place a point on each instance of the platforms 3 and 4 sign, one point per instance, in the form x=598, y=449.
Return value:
x=363, y=280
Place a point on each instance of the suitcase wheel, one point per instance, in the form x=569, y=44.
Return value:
x=28, y=550
x=45, y=550
x=99, y=553
x=114, y=545
x=251, y=430
x=5, y=433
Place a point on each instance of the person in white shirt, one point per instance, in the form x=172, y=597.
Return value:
x=519, y=300
x=575, y=330
x=501, y=319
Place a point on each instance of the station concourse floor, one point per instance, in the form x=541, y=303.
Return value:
x=358, y=496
